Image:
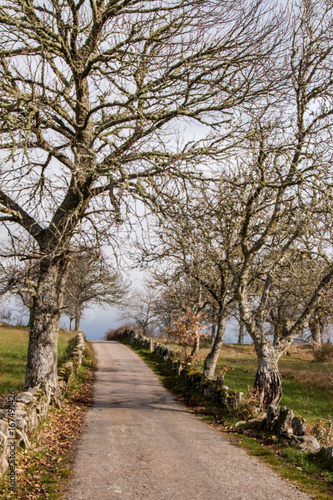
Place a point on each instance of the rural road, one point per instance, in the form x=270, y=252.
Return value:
x=139, y=443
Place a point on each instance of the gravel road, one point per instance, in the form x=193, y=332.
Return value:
x=139, y=443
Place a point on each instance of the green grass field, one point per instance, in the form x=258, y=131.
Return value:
x=13, y=355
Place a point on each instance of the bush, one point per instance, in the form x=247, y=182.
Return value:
x=324, y=353
x=116, y=333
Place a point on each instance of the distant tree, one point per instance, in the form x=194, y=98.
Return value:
x=188, y=242
x=140, y=309
x=187, y=327
x=293, y=289
x=91, y=281
x=175, y=291
x=5, y=314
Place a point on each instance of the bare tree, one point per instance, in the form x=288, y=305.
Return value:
x=273, y=203
x=91, y=94
x=140, y=309
x=293, y=288
x=193, y=245
x=174, y=291
x=187, y=327
x=279, y=195
x=91, y=281
x=5, y=314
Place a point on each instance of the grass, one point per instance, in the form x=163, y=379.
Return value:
x=305, y=470
x=13, y=355
x=294, y=466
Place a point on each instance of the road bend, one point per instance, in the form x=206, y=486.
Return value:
x=139, y=443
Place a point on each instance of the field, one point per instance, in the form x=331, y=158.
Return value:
x=307, y=385
x=13, y=356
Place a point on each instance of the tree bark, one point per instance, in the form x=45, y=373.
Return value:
x=44, y=325
x=77, y=321
x=315, y=328
x=241, y=332
x=213, y=330
x=71, y=324
x=195, y=350
x=213, y=333
x=211, y=359
x=268, y=381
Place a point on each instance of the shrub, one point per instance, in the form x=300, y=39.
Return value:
x=324, y=353
x=116, y=333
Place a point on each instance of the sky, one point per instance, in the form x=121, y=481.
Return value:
x=96, y=322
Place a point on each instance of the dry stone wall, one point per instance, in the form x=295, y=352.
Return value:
x=28, y=409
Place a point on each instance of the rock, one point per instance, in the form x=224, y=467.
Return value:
x=299, y=426
x=209, y=389
x=32, y=421
x=21, y=424
x=238, y=400
x=253, y=423
x=3, y=454
x=22, y=439
x=3, y=426
x=272, y=413
x=284, y=420
x=36, y=391
x=308, y=444
x=240, y=424
x=256, y=411
x=21, y=413
x=326, y=453
x=24, y=397
x=179, y=367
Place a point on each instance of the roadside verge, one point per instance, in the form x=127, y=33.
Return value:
x=42, y=462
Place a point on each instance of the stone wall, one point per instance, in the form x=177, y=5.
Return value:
x=276, y=420
x=28, y=409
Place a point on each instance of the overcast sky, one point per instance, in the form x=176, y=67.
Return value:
x=96, y=322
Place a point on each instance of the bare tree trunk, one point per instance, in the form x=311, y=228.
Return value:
x=213, y=333
x=241, y=332
x=214, y=326
x=268, y=382
x=71, y=324
x=77, y=320
x=195, y=350
x=44, y=324
x=315, y=329
x=278, y=330
x=211, y=359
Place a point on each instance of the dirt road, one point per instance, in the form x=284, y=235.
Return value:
x=138, y=443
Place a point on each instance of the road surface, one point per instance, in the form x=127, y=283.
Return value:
x=139, y=443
